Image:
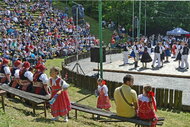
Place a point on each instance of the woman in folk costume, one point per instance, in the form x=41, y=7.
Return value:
x=5, y=72
x=103, y=98
x=40, y=81
x=61, y=105
x=178, y=58
x=147, y=105
x=15, y=74
x=145, y=57
x=167, y=51
x=26, y=77
x=174, y=50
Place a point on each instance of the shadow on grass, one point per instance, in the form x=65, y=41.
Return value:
x=25, y=103
x=170, y=110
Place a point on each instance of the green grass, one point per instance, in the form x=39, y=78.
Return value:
x=20, y=115
x=106, y=34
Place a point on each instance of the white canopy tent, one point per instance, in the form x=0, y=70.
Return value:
x=177, y=32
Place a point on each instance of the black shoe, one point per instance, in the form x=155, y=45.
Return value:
x=152, y=66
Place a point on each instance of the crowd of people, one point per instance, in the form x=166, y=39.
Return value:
x=164, y=49
x=30, y=33
x=33, y=29
x=37, y=31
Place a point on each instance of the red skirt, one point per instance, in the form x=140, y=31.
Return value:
x=62, y=105
x=103, y=102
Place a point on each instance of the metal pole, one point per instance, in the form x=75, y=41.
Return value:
x=145, y=20
x=139, y=22
x=100, y=36
x=133, y=20
x=77, y=32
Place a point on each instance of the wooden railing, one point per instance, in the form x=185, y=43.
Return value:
x=166, y=98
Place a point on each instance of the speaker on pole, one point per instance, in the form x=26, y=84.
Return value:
x=95, y=54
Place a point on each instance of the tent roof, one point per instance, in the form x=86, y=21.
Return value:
x=177, y=32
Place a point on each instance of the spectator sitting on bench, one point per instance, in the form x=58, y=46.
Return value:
x=147, y=105
x=26, y=77
x=40, y=81
x=15, y=74
x=5, y=72
x=126, y=98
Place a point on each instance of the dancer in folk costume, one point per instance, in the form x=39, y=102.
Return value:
x=5, y=72
x=136, y=49
x=147, y=106
x=40, y=81
x=15, y=74
x=162, y=55
x=184, y=57
x=178, y=58
x=125, y=53
x=145, y=57
x=103, y=98
x=62, y=105
x=157, y=54
x=167, y=50
x=26, y=77
x=174, y=50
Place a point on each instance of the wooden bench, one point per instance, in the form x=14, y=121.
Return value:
x=2, y=94
x=108, y=114
x=26, y=95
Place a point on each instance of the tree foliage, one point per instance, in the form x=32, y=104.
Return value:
x=161, y=15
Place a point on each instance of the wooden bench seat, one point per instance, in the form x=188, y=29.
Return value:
x=108, y=114
x=34, y=100
x=2, y=94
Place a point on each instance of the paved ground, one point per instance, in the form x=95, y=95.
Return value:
x=113, y=62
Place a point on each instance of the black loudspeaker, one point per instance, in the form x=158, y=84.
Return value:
x=95, y=54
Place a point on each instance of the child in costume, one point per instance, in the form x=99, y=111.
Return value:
x=103, y=98
x=61, y=105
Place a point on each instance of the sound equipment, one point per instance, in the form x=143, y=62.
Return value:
x=95, y=54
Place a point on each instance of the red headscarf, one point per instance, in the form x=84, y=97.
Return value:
x=151, y=95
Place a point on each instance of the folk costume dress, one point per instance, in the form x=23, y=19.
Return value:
x=147, y=109
x=62, y=105
x=103, y=98
x=145, y=56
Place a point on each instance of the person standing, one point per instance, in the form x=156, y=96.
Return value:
x=178, y=56
x=157, y=54
x=126, y=98
x=103, y=98
x=136, y=51
x=125, y=53
x=62, y=105
x=145, y=57
x=184, y=57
